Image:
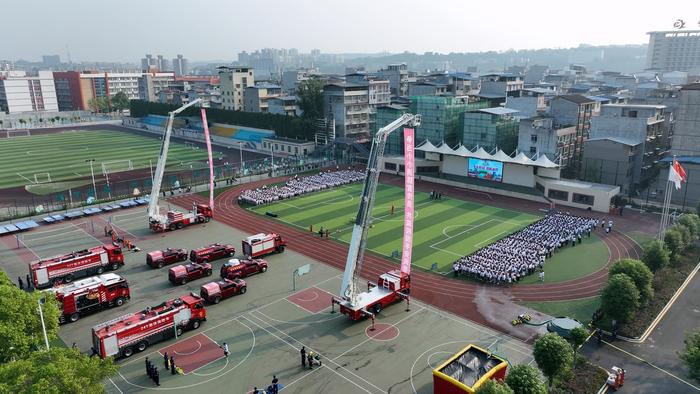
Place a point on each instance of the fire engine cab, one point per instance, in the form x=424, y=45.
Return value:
x=64, y=269
x=211, y=253
x=263, y=244
x=90, y=295
x=123, y=336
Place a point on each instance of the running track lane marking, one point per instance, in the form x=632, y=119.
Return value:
x=650, y=364
x=115, y=385
x=315, y=351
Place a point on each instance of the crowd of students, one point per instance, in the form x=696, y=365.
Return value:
x=297, y=186
x=525, y=251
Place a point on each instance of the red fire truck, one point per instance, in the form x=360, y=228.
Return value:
x=200, y=213
x=159, y=258
x=123, y=336
x=240, y=268
x=90, y=295
x=262, y=244
x=64, y=269
x=211, y=253
x=391, y=287
x=214, y=292
x=181, y=274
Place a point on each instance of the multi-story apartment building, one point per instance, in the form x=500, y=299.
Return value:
x=491, y=128
x=501, y=84
x=150, y=84
x=347, y=106
x=676, y=50
x=233, y=81
x=283, y=105
x=574, y=110
x=398, y=77
x=180, y=66
x=530, y=102
x=685, y=144
x=158, y=63
x=541, y=136
x=20, y=92
x=639, y=130
x=255, y=98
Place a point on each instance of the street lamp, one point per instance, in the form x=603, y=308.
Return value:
x=92, y=173
x=43, y=326
x=240, y=152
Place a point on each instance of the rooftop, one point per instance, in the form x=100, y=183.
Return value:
x=619, y=140
x=578, y=184
x=576, y=98
x=691, y=86
x=640, y=106
x=497, y=111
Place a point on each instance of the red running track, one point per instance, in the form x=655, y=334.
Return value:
x=445, y=293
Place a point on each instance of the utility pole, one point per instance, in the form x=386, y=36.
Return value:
x=272, y=162
x=43, y=326
x=240, y=153
x=92, y=173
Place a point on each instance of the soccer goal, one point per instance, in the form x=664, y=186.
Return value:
x=191, y=145
x=18, y=133
x=42, y=177
x=109, y=167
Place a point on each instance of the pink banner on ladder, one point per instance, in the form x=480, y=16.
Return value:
x=211, y=161
x=409, y=170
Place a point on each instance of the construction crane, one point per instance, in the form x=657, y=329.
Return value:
x=353, y=302
x=173, y=220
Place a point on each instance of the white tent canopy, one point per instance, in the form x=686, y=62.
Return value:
x=480, y=153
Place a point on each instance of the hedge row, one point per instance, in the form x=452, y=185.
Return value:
x=284, y=126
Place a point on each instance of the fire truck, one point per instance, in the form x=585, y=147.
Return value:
x=263, y=244
x=395, y=284
x=123, y=336
x=175, y=220
x=211, y=253
x=57, y=270
x=90, y=295
x=214, y=292
x=159, y=258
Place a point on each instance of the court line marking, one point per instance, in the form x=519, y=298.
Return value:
x=88, y=234
x=462, y=232
x=30, y=181
x=650, y=364
x=115, y=385
x=326, y=358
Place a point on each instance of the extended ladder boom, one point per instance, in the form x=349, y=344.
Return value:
x=358, y=242
x=153, y=208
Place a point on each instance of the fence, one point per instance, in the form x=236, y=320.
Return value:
x=175, y=181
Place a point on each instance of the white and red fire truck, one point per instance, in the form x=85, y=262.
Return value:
x=392, y=286
x=57, y=270
x=263, y=244
x=90, y=295
x=174, y=220
x=123, y=336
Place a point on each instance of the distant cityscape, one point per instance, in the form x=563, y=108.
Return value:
x=608, y=115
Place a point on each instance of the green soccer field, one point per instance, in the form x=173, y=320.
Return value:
x=63, y=155
x=443, y=230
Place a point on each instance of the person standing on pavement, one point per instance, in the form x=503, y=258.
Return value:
x=173, y=370
x=20, y=283
x=29, y=284
x=224, y=347
x=166, y=360
x=303, y=357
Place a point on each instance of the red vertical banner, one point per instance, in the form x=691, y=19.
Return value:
x=211, y=161
x=409, y=171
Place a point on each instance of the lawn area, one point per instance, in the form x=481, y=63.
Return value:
x=571, y=262
x=581, y=310
x=63, y=155
x=640, y=238
x=443, y=230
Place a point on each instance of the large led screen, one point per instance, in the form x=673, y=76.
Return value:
x=485, y=169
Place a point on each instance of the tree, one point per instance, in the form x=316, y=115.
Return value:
x=579, y=335
x=59, y=370
x=620, y=298
x=120, y=101
x=553, y=355
x=674, y=242
x=686, y=236
x=310, y=98
x=691, y=355
x=20, y=324
x=639, y=273
x=692, y=223
x=525, y=379
x=656, y=255
x=494, y=387
x=697, y=208
x=94, y=104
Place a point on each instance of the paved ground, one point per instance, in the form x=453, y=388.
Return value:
x=654, y=366
x=266, y=327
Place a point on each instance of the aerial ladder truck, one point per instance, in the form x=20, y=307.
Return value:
x=173, y=219
x=395, y=284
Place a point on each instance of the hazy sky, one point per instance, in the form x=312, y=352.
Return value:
x=125, y=30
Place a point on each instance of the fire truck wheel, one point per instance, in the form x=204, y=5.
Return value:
x=205, y=261
x=160, y=264
x=128, y=352
x=208, y=272
x=180, y=225
x=119, y=301
x=141, y=346
x=263, y=269
x=217, y=300
x=232, y=253
x=115, y=266
x=280, y=249
x=207, y=219
x=243, y=290
x=100, y=270
x=68, y=278
x=183, y=257
x=74, y=317
x=178, y=331
x=183, y=281
x=172, y=227
x=195, y=324
x=377, y=309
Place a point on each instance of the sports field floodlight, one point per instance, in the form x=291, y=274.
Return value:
x=92, y=173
